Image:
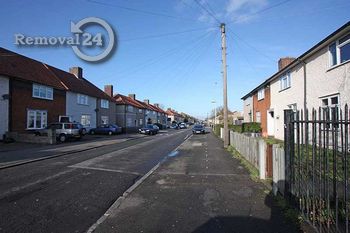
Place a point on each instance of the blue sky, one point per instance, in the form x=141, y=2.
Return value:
x=181, y=70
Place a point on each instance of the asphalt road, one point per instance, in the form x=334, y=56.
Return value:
x=200, y=189
x=71, y=192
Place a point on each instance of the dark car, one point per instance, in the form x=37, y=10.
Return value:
x=149, y=129
x=106, y=129
x=198, y=129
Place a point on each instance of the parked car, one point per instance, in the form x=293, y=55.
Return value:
x=149, y=129
x=106, y=129
x=174, y=126
x=182, y=126
x=198, y=129
x=64, y=131
x=82, y=128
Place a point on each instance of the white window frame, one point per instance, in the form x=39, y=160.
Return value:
x=85, y=120
x=261, y=94
x=43, y=92
x=285, y=81
x=43, y=119
x=104, y=103
x=104, y=119
x=256, y=117
x=130, y=108
x=82, y=99
x=140, y=110
x=337, y=47
x=329, y=98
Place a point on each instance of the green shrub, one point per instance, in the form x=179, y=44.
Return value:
x=252, y=127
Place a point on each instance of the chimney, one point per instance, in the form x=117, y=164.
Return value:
x=284, y=61
x=132, y=96
x=169, y=109
x=77, y=71
x=146, y=101
x=109, y=90
x=157, y=105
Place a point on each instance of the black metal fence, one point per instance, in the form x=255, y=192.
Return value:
x=317, y=166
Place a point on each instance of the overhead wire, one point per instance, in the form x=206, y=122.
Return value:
x=166, y=34
x=139, y=11
x=206, y=10
x=263, y=10
x=166, y=53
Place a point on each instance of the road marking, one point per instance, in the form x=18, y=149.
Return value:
x=19, y=188
x=106, y=170
x=118, y=202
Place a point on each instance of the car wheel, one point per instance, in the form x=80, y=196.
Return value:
x=62, y=138
x=92, y=132
x=110, y=132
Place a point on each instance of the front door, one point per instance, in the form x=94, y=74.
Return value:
x=270, y=123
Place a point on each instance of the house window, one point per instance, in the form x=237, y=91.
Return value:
x=42, y=92
x=36, y=119
x=85, y=120
x=330, y=101
x=339, y=51
x=104, y=104
x=258, y=117
x=140, y=110
x=130, y=108
x=285, y=81
x=128, y=122
x=140, y=122
x=82, y=99
x=261, y=94
x=104, y=119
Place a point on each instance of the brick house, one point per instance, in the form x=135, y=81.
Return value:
x=31, y=96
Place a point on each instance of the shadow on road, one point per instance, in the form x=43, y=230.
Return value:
x=230, y=224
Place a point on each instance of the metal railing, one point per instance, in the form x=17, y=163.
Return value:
x=317, y=166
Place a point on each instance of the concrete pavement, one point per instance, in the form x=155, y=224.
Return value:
x=199, y=188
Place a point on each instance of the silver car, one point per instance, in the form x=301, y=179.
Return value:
x=64, y=131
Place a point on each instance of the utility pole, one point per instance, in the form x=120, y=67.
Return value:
x=224, y=73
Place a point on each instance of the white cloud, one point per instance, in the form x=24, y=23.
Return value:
x=243, y=10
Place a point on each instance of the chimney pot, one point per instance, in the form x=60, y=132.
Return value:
x=109, y=90
x=77, y=71
x=146, y=101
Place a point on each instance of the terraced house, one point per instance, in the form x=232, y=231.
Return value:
x=34, y=94
x=31, y=96
x=130, y=114
x=85, y=103
x=320, y=77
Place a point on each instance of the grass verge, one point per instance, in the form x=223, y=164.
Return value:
x=254, y=173
x=291, y=214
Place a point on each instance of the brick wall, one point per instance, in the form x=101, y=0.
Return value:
x=21, y=100
x=262, y=106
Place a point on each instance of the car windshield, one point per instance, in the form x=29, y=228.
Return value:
x=149, y=126
x=198, y=127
